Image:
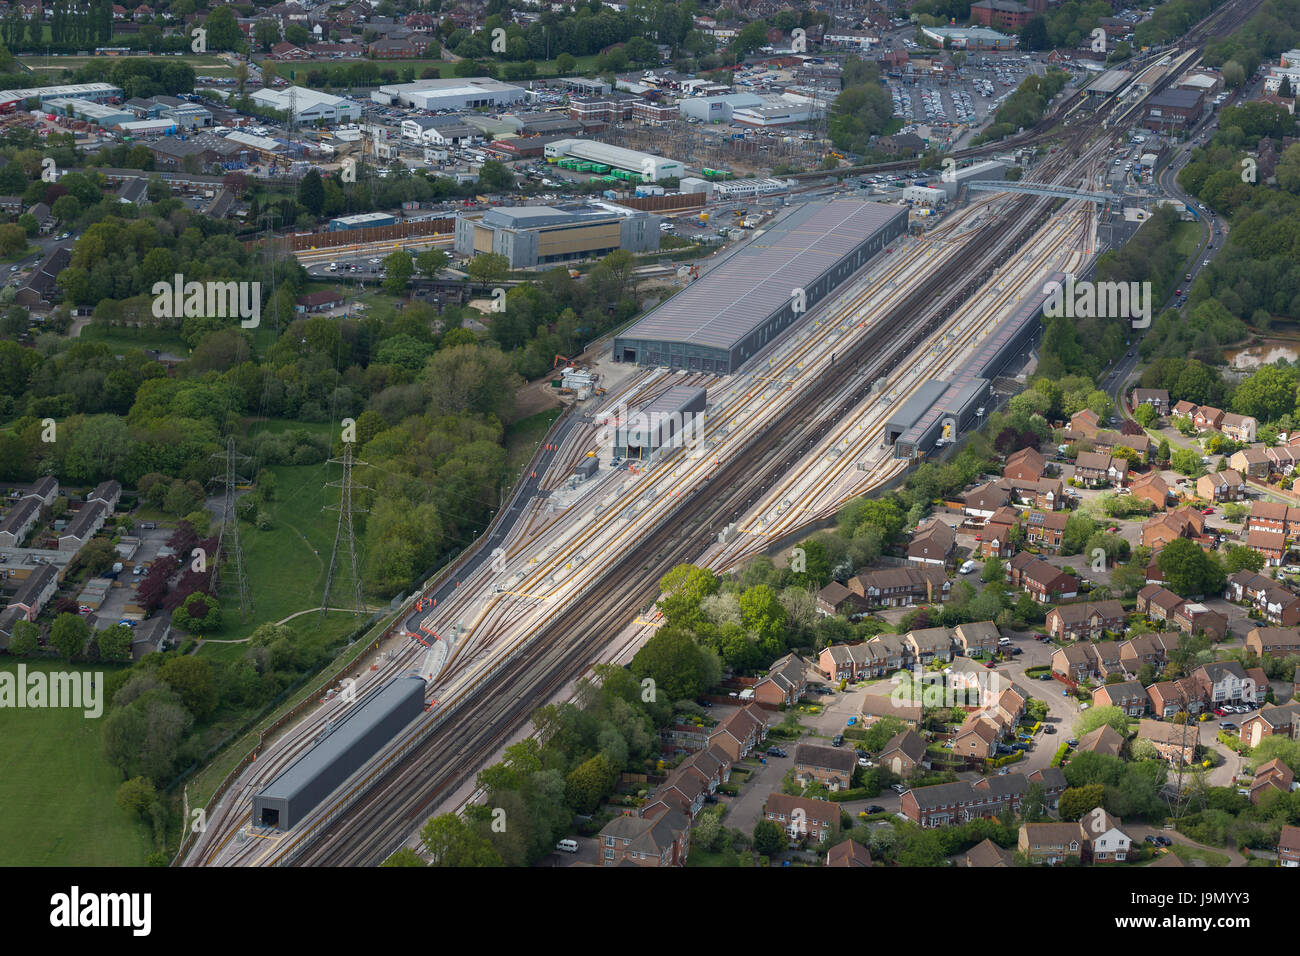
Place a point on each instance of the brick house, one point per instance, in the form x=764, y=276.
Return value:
x=977, y=638
x=835, y=598
x=830, y=766
x=977, y=738
x=1129, y=696
x=1268, y=516
x=1270, y=544
x=1167, y=697
x=1240, y=428
x=1252, y=462
x=1159, y=530
x=1027, y=464
x=1288, y=847
x=1042, y=581
x=901, y=587
x=1086, y=621
x=1273, y=641
x=1157, y=602
x=1077, y=662
x=1143, y=649
x=904, y=753
x=996, y=538
x=803, y=817
x=1045, y=530
x=1228, y=485
x=1273, y=775
x=931, y=643
x=1151, y=487
x=1226, y=682
x=1052, y=843
x=1277, y=721
x=1176, y=743
x=740, y=732
x=1157, y=398
x=850, y=853
x=1104, y=740
x=1092, y=468
x=663, y=840
x=932, y=544
x=785, y=682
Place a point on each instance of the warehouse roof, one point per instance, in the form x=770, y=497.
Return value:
x=350, y=729
x=723, y=307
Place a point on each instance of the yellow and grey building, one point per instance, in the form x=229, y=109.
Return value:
x=545, y=235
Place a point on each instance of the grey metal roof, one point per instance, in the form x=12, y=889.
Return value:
x=723, y=307
x=349, y=732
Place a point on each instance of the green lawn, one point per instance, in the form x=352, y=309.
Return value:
x=57, y=792
x=124, y=340
x=206, y=64
x=1194, y=853
x=523, y=436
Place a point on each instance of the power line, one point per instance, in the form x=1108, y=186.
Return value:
x=230, y=521
x=345, y=528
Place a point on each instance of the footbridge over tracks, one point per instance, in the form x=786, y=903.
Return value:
x=1057, y=192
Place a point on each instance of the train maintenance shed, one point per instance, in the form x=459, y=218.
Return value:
x=361, y=733
x=727, y=317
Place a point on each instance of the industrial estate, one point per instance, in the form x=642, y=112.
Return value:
x=602, y=435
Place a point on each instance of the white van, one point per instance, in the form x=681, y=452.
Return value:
x=567, y=846
x=334, y=267
x=967, y=567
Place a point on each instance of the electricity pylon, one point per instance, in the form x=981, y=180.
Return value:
x=230, y=522
x=345, y=528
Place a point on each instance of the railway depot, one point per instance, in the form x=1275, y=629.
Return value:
x=729, y=316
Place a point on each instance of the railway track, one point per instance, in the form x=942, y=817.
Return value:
x=395, y=805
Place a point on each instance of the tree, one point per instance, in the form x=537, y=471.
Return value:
x=565, y=64
x=136, y=796
x=405, y=856
x=1238, y=558
x=266, y=33
x=1145, y=415
x=69, y=635
x=25, y=639
x=769, y=838
x=1076, y=801
x=679, y=668
x=431, y=262
x=451, y=841
x=398, y=269
x=191, y=677
x=223, y=30
x=488, y=267
x=589, y=783
x=114, y=642
x=1187, y=462
x=199, y=614
x=1189, y=571
x=1096, y=717
x=1268, y=394
x=311, y=192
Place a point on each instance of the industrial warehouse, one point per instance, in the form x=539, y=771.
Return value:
x=363, y=731
x=542, y=235
x=726, y=318
x=641, y=166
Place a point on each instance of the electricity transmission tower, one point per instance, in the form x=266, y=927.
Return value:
x=230, y=525
x=345, y=528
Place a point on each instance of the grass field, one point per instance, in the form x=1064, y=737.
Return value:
x=124, y=340
x=1193, y=853
x=57, y=792
x=522, y=438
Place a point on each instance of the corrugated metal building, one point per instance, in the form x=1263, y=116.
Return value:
x=540, y=235
x=742, y=305
x=357, y=737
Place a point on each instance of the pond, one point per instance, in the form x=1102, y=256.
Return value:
x=1262, y=353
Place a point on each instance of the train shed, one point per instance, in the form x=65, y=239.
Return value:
x=358, y=736
x=727, y=317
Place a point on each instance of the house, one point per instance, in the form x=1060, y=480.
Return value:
x=83, y=526
x=1104, y=740
x=663, y=840
x=977, y=738
x=1270, y=516
x=928, y=644
x=1151, y=487
x=785, y=682
x=1176, y=743
x=1247, y=586
x=1045, y=493
x=1157, y=398
x=1077, y=662
x=941, y=805
x=323, y=301
x=803, y=817
x=1271, y=544
x=850, y=853
x=739, y=732
x=1159, y=530
x=1052, y=843
x=988, y=854
x=1129, y=696
x=977, y=638
x=1279, y=605
x=1207, y=417
x=1283, y=459
x=1085, y=422
x=904, y=753
x=1240, y=428
x=1225, y=682
x=1045, y=530
x=1108, y=441
x=829, y=766
x=1228, y=485
x=932, y=544
x=683, y=792
x=1273, y=775
x=1093, y=468
x=1273, y=641
x=1143, y=649
x=287, y=51
x=1277, y=721
x=1288, y=847
x=1027, y=464
x=1168, y=697
x=848, y=662
x=1192, y=617
x=1158, y=603
x=109, y=492
x=996, y=539
x=1252, y=462
x=1087, y=621
x=876, y=706
x=18, y=521
x=901, y=587
x=34, y=591
x=835, y=598
x=983, y=501
x=151, y=636
x=1108, y=661
x=1109, y=843
x=45, y=220
x=1041, y=581
x=1053, y=782
x=891, y=651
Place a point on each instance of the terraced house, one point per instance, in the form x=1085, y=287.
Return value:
x=785, y=682
x=801, y=817
x=951, y=804
x=1129, y=696
x=1089, y=621
x=1273, y=641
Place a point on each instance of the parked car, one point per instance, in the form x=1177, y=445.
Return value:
x=775, y=752
x=875, y=808
x=837, y=740
x=1227, y=725
x=1049, y=729
x=898, y=788
x=865, y=763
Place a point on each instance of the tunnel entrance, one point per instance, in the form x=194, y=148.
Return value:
x=629, y=355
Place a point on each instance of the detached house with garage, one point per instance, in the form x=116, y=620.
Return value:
x=1129, y=696
x=829, y=766
x=932, y=544
x=1228, y=485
